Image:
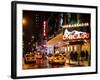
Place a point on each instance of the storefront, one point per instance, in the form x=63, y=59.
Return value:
x=77, y=43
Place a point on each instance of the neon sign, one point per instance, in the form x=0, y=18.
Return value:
x=76, y=25
x=75, y=35
x=44, y=28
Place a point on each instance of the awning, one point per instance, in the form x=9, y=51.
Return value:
x=56, y=40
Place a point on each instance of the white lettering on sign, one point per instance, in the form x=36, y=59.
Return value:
x=74, y=35
x=76, y=25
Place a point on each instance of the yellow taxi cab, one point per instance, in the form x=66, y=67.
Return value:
x=29, y=58
x=57, y=59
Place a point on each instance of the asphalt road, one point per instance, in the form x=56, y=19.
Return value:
x=43, y=63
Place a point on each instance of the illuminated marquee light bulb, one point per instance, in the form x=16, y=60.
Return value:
x=86, y=24
x=82, y=24
x=70, y=26
x=77, y=25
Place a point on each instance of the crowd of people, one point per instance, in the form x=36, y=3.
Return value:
x=84, y=55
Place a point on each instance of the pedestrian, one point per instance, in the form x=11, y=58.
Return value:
x=82, y=55
x=86, y=55
x=76, y=55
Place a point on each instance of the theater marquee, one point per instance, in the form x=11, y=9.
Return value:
x=76, y=36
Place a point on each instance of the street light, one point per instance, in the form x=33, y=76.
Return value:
x=24, y=21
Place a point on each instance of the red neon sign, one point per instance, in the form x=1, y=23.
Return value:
x=44, y=28
x=76, y=36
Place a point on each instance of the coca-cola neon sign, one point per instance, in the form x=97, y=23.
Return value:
x=75, y=35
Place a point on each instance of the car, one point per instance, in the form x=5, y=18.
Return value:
x=38, y=55
x=57, y=59
x=29, y=58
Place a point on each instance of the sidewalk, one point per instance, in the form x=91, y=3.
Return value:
x=76, y=63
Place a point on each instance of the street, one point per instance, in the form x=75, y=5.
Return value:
x=43, y=63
